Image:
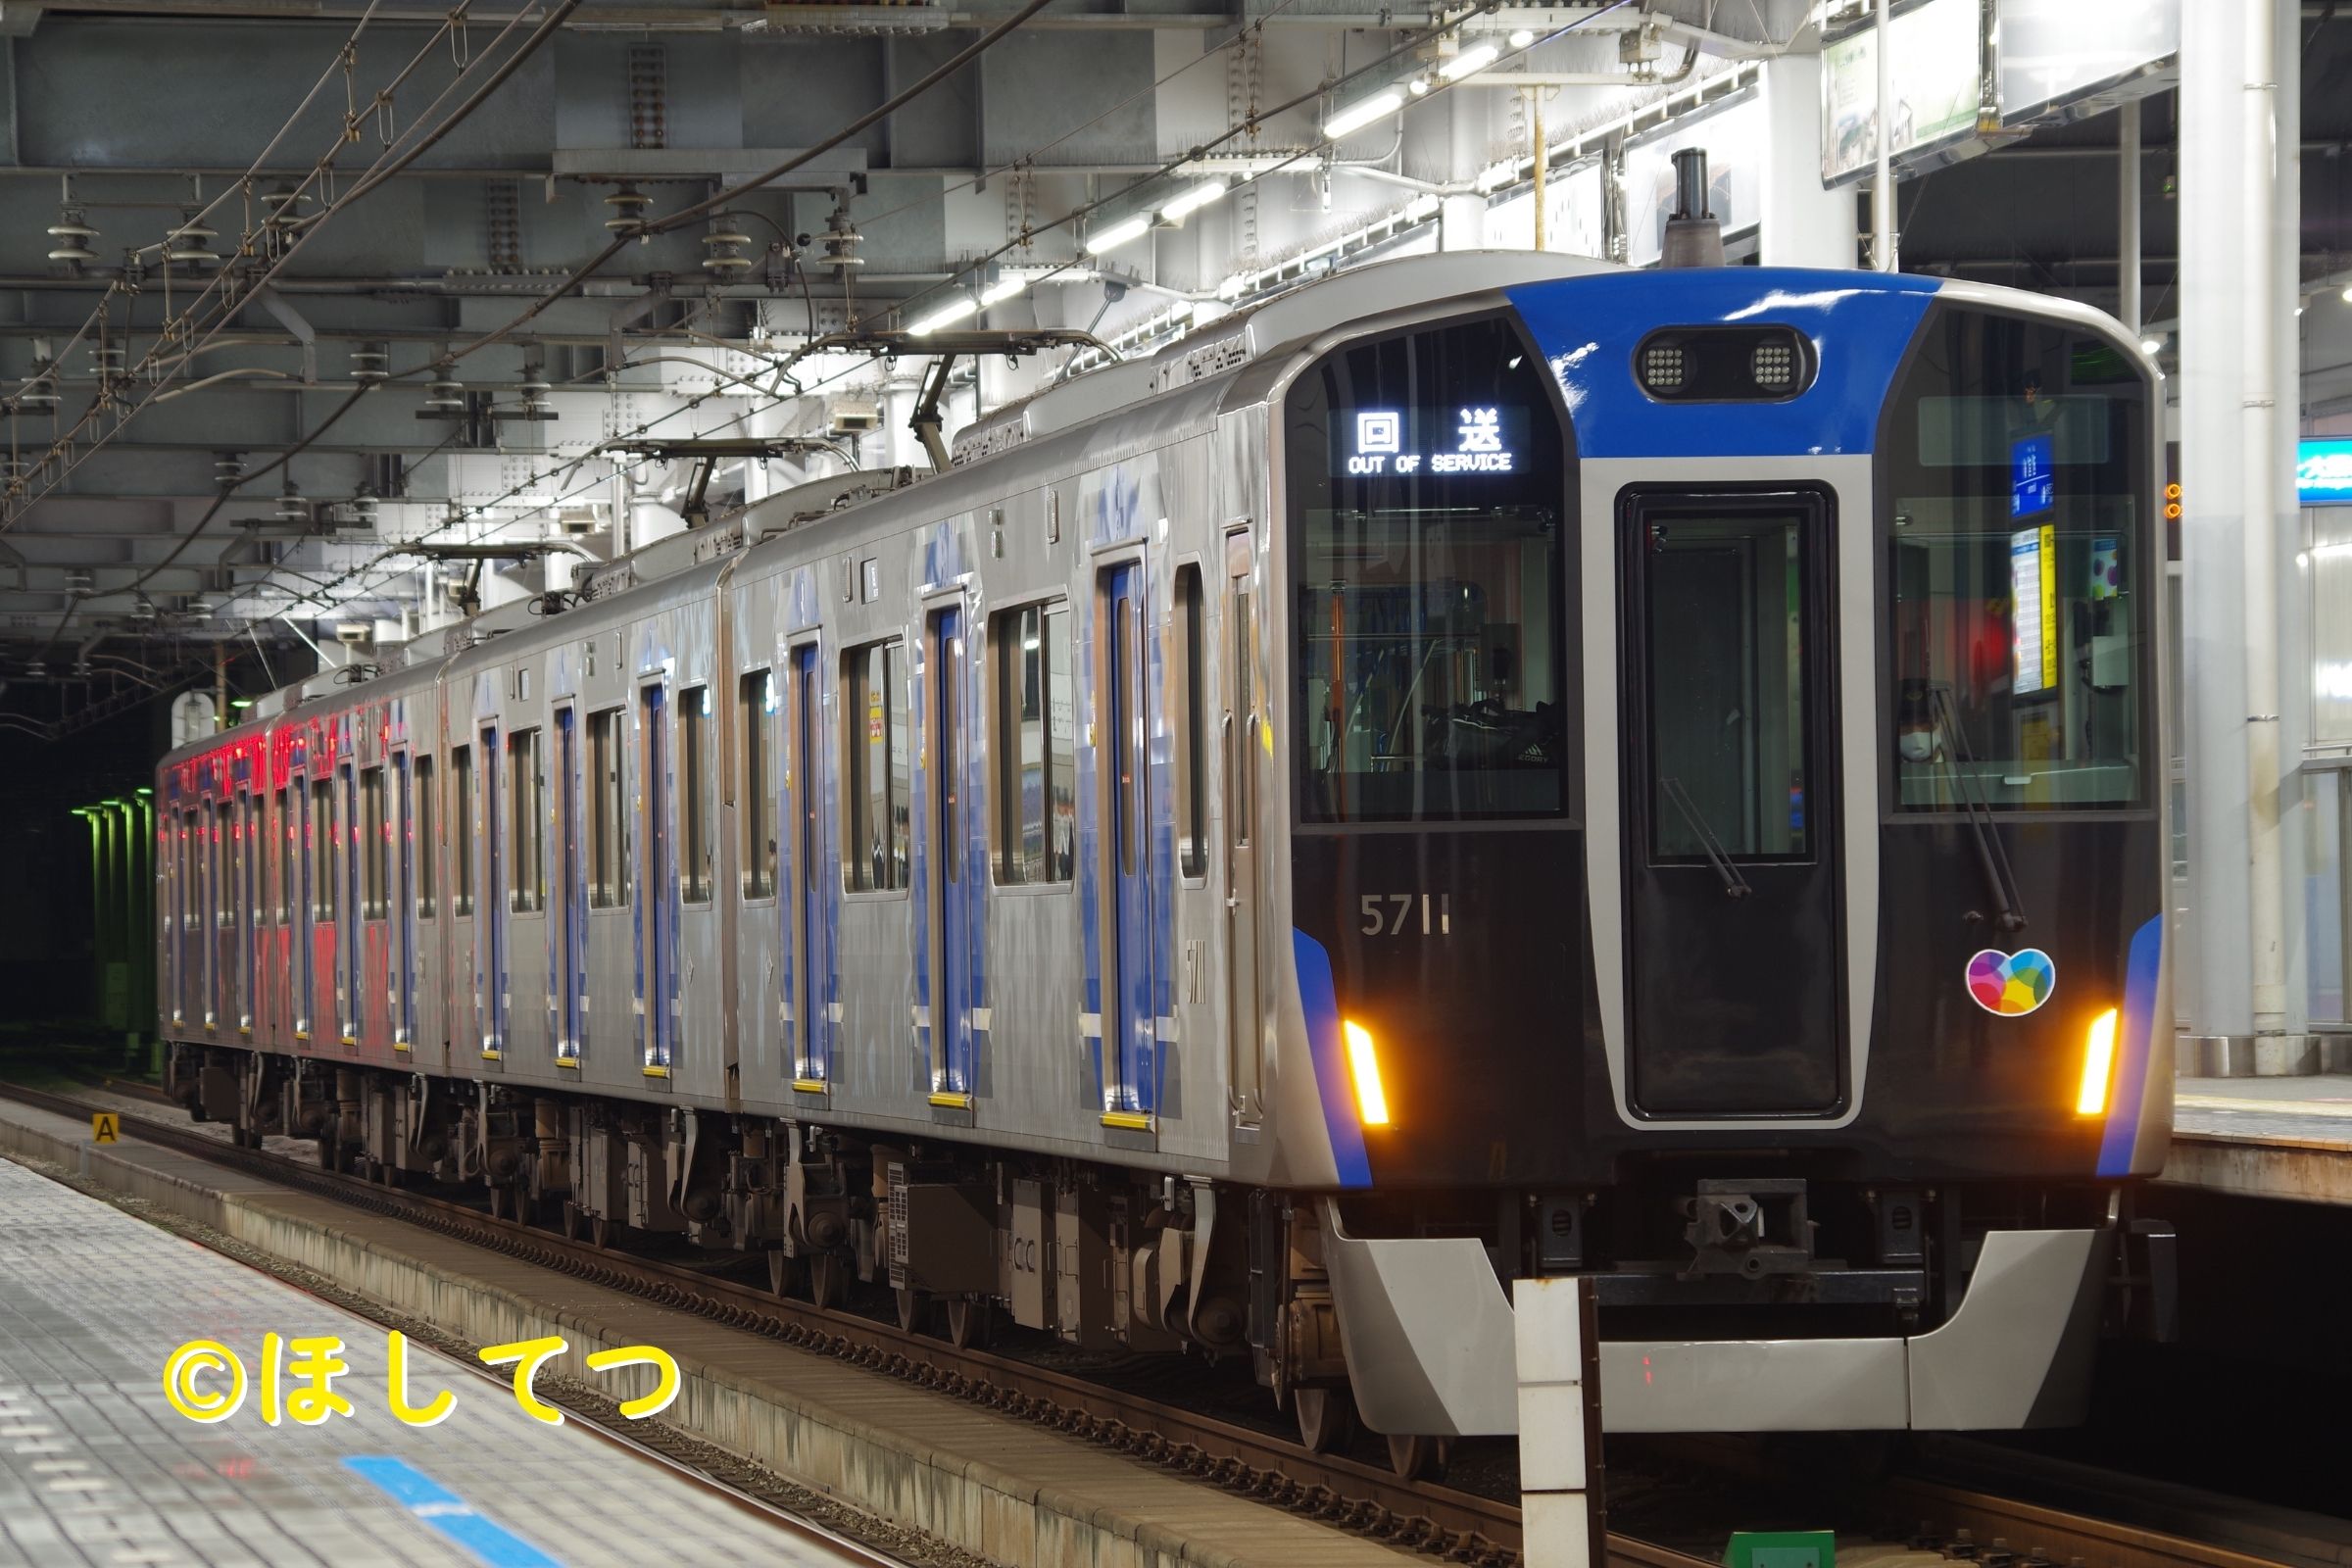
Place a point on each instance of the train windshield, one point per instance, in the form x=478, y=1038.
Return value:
x=1427, y=480
x=2021, y=571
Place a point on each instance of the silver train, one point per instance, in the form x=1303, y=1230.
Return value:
x=1484, y=766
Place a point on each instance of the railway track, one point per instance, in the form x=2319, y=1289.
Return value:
x=1926, y=1516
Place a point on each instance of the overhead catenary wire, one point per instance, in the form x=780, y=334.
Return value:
x=174, y=329
x=688, y=214
x=954, y=281
x=342, y=60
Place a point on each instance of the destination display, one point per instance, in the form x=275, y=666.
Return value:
x=1483, y=438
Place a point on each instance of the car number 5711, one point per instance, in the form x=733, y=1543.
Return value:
x=1387, y=914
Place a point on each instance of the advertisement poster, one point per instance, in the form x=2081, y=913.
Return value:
x=1937, y=86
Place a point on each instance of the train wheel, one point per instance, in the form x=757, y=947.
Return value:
x=911, y=1308
x=783, y=1272
x=1325, y=1416
x=1417, y=1458
x=828, y=1279
x=967, y=1320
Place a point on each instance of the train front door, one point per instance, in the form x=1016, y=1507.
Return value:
x=1734, y=977
x=1130, y=1023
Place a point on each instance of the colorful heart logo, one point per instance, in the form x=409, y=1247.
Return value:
x=2011, y=984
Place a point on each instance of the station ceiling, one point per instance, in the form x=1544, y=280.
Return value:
x=285, y=288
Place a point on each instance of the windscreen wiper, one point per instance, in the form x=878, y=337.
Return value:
x=2008, y=905
x=1735, y=886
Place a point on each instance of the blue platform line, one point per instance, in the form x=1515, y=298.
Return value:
x=444, y=1511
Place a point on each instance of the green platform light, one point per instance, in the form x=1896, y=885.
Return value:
x=143, y=790
x=240, y=703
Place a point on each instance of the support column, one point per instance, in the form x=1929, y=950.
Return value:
x=1801, y=222
x=1883, y=249
x=2239, y=239
x=2127, y=196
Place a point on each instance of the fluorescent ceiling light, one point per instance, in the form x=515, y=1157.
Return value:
x=1522, y=38
x=1356, y=116
x=1125, y=231
x=1003, y=289
x=954, y=310
x=1469, y=63
x=1186, y=203
x=2152, y=345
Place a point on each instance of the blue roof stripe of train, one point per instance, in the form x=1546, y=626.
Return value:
x=1488, y=764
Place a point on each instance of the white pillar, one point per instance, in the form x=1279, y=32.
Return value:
x=2127, y=197
x=1462, y=220
x=1802, y=223
x=1883, y=251
x=1559, y=1421
x=2238, y=241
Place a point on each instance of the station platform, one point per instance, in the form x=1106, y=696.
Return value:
x=2289, y=1138
x=933, y=1479
x=98, y=1467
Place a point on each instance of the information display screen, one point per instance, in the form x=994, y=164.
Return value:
x=1465, y=442
x=2033, y=612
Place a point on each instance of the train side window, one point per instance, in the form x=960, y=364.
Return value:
x=375, y=872
x=1191, y=737
x=427, y=840
x=1035, y=817
x=694, y=788
x=527, y=788
x=608, y=810
x=874, y=716
x=756, y=810
x=461, y=795
x=283, y=838
x=323, y=848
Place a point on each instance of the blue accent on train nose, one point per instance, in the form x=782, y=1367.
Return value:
x=1860, y=323
x=2128, y=1088
x=1319, y=997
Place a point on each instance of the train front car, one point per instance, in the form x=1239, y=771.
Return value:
x=1727, y=856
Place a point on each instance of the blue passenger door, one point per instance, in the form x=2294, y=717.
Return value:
x=490, y=918
x=657, y=915
x=807, y=939
x=1130, y=1036
x=947, y=906
x=404, y=903
x=567, y=922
